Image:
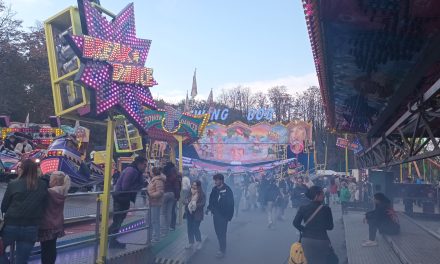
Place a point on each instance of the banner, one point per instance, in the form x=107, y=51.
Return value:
x=345, y=143
x=241, y=144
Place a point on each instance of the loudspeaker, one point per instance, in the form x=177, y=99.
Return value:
x=4, y=121
x=382, y=182
x=54, y=121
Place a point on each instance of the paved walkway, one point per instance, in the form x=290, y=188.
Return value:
x=355, y=232
x=414, y=245
x=251, y=241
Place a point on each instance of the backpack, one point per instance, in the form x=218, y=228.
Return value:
x=297, y=254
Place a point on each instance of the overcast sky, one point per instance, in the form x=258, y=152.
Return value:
x=253, y=43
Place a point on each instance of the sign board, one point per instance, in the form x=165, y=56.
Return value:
x=258, y=114
x=345, y=143
x=112, y=62
x=172, y=121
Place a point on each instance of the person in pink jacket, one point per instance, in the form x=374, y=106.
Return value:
x=156, y=190
x=52, y=224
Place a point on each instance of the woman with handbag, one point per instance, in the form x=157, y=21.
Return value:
x=194, y=205
x=318, y=220
x=23, y=205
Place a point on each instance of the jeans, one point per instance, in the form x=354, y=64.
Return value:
x=344, y=206
x=173, y=216
x=372, y=230
x=193, y=229
x=24, y=237
x=118, y=219
x=155, y=221
x=49, y=251
x=270, y=211
x=166, y=213
x=316, y=251
x=221, y=228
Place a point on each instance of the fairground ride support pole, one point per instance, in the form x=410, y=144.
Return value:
x=180, y=139
x=401, y=172
x=105, y=196
x=325, y=157
x=424, y=169
x=346, y=158
x=315, y=156
x=308, y=160
x=409, y=170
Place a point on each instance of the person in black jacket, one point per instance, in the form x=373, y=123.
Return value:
x=382, y=218
x=272, y=194
x=315, y=241
x=221, y=205
x=23, y=205
x=128, y=184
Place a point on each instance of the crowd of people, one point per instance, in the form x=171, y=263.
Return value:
x=33, y=206
x=32, y=209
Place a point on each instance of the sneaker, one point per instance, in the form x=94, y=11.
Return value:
x=220, y=255
x=369, y=243
x=172, y=228
x=198, y=245
x=189, y=246
x=117, y=244
x=155, y=241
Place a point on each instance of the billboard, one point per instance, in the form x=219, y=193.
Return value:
x=241, y=144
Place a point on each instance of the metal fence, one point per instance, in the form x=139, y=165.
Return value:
x=97, y=216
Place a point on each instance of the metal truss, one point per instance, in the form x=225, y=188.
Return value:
x=414, y=136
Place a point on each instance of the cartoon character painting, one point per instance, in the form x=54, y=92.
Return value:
x=297, y=137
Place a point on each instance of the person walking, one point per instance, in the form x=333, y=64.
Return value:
x=171, y=196
x=283, y=199
x=156, y=191
x=52, y=224
x=272, y=195
x=221, y=205
x=252, y=195
x=23, y=205
x=345, y=197
x=382, y=218
x=333, y=188
x=129, y=183
x=194, y=206
x=352, y=187
x=318, y=219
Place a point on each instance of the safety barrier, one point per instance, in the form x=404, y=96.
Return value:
x=97, y=216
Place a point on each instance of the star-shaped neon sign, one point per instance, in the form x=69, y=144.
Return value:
x=113, y=62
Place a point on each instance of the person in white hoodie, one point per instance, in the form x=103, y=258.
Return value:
x=186, y=186
x=52, y=224
x=23, y=147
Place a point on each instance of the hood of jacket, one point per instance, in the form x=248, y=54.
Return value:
x=56, y=197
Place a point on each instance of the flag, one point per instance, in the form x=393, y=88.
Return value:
x=186, y=108
x=194, y=86
x=26, y=122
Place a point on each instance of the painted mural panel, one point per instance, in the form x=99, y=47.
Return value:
x=239, y=143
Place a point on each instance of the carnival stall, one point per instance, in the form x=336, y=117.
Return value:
x=261, y=147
